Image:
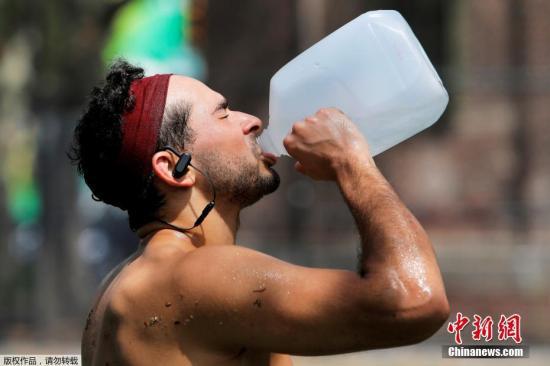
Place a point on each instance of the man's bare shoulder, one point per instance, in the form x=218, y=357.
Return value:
x=131, y=302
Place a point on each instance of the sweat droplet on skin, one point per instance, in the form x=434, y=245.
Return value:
x=188, y=319
x=154, y=320
x=416, y=270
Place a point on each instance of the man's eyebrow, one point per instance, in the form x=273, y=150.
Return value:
x=221, y=105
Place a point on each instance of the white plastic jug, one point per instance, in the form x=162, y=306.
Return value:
x=373, y=69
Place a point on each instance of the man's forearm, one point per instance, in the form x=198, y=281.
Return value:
x=393, y=243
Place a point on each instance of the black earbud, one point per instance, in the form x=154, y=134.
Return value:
x=181, y=166
x=183, y=162
x=179, y=171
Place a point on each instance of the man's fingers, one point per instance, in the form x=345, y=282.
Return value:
x=289, y=142
x=298, y=128
x=311, y=120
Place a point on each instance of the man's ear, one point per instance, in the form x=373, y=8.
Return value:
x=164, y=163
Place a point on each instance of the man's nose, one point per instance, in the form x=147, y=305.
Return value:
x=251, y=124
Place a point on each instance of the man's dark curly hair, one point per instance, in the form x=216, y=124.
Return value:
x=98, y=140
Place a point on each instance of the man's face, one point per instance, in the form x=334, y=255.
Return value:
x=224, y=144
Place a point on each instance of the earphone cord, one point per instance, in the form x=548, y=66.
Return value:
x=204, y=212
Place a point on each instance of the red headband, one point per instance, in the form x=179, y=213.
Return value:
x=141, y=125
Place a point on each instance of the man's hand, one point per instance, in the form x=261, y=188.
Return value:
x=324, y=142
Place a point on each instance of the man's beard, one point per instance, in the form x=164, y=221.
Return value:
x=236, y=180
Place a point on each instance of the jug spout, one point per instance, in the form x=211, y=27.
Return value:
x=266, y=142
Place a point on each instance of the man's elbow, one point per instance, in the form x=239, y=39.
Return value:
x=409, y=322
x=408, y=314
x=422, y=321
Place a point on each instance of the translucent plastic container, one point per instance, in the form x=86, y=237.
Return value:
x=373, y=69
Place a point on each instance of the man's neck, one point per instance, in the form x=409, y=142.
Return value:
x=218, y=228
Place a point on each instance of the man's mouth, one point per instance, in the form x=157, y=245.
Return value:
x=269, y=158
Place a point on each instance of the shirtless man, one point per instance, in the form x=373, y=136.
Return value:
x=192, y=296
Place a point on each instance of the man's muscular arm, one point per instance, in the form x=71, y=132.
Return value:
x=396, y=258
x=240, y=298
